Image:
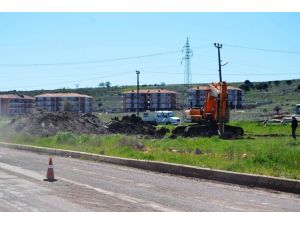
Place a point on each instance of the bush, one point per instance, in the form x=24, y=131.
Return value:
x=65, y=138
x=262, y=86
x=276, y=82
x=244, y=87
x=131, y=142
x=288, y=82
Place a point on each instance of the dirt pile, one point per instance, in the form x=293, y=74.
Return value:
x=134, y=125
x=49, y=123
x=130, y=125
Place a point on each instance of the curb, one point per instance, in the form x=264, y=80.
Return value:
x=274, y=183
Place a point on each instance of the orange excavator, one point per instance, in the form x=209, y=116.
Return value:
x=212, y=118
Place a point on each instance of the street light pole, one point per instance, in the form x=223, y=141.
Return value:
x=217, y=45
x=220, y=101
x=138, y=91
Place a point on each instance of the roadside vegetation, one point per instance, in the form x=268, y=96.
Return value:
x=264, y=150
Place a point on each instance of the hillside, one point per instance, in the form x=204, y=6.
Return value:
x=261, y=98
x=282, y=94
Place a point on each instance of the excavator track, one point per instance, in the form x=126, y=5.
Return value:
x=198, y=130
x=233, y=130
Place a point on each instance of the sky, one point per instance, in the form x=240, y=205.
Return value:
x=68, y=50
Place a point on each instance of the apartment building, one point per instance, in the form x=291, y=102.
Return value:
x=153, y=99
x=12, y=105
x=72, y=102
x=235, y=96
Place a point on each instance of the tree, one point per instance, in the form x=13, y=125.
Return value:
x=276, y=82
x=262, y=86
x=249, y=83
x=277, y=109
x=107, y=84
x=102, y=84
x=244, y=87
x=289, y=82
x=163, y=84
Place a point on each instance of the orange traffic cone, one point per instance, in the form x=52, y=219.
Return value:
x=50, y=172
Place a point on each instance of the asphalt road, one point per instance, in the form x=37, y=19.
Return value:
x=91, y=186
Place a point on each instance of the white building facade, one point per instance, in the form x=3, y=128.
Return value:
x=12, y=105
x=72, y=102
x=153, y=100
x=235, y=96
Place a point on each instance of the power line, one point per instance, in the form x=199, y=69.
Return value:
x=96, y=61
x=231, y=74
x=92, y=78
x=263, y=49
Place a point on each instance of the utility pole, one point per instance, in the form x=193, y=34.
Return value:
x=220, y=100
x=217, y=45
x=138, y=91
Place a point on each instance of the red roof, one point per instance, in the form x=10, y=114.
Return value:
x=12, y=96
x=201, y=88
x=151, y=91
x=55, y=95
x=207, y=88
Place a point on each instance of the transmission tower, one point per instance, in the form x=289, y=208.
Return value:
x=187, y=55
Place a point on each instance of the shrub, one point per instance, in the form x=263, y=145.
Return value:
x=65, y=138
x=276, y=82
x=244, y=87
x=288, y=82
x=262, y=86
x=131, y=142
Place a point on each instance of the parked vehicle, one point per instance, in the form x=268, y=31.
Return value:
x=161, y=117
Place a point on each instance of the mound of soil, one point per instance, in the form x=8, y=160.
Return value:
x=49, y=123
x=134, y=125
x=130, y=125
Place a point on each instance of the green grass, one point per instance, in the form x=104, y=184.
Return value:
x=4, y=120
x=259, y=152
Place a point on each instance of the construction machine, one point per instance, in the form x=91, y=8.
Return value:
x=211, y=119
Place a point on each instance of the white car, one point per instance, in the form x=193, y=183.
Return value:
x=161, y=117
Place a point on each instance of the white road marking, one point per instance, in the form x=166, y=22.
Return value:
x=143, y=185
x=19, y=170
x=122, y=196
x=102, y=175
